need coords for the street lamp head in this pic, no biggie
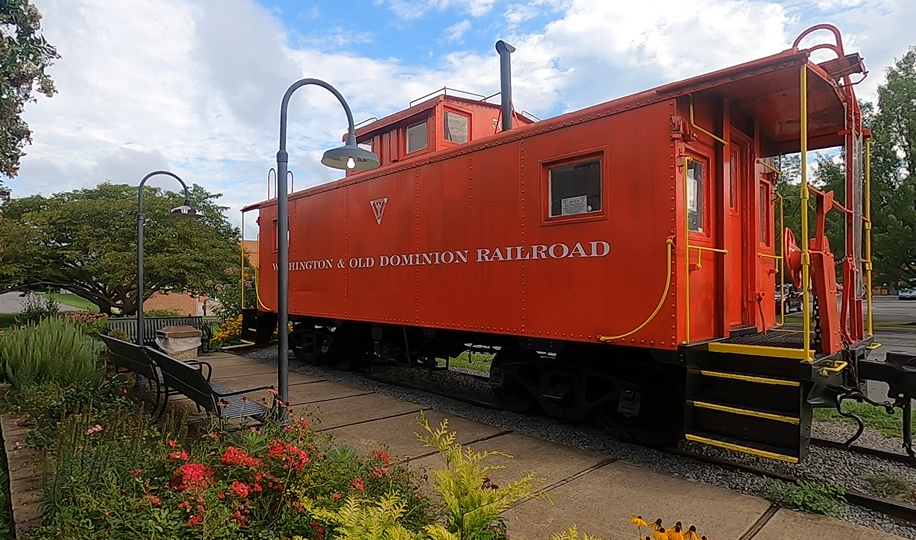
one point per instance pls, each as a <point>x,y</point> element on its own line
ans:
<point>350,157</point>
<point>186,211</point>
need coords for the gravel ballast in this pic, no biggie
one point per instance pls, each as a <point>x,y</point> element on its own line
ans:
<point>827,465</point>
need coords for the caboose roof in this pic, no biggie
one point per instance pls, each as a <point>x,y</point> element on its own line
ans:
<point>768,89</point>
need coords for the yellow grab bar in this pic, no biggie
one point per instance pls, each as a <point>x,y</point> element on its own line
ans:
<point>670,247</point>
<point>836,368</point>
<point>698,128</point>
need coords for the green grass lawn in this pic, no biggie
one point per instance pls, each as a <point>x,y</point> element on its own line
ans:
<point>875,417</point>
<point>478,361</point>
<point>73,300</point>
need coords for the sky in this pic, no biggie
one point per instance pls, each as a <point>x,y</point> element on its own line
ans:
<point>194,86</point>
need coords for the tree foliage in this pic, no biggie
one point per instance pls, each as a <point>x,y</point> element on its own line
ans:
<point>24,56</point>
<point>893,192</point>
<point>86,241</point>
<point>894,174</point>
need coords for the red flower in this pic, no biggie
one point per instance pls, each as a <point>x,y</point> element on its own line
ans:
<point>379,472</point>
<point>358,483</point>
<point>172,444</point>
<point>242,490</point>
<point>240,518</point>
<point>154,499</point>
<point>236,456</point>
<point>182,455</point>
<point>136,472</point>
<point>384,456</point>
<point>335,495</point>
<point>195,519</point>
<point>191,475</point>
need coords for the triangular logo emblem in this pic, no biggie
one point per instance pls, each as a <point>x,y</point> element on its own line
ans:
<point>378,207</point>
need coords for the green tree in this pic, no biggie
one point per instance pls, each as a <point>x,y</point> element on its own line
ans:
<point>24,56</point>
<point>229,295</point>
<point>86,242</point>
<point>894,174</point>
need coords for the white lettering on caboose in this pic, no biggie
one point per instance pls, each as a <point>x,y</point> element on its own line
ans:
<point>533,252</point>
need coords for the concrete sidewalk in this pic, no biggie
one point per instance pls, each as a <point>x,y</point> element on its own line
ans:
<point>596,492</point>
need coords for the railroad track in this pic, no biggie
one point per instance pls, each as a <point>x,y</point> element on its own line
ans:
<point>899,510</point>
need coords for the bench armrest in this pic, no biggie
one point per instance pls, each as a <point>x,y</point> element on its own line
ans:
<point>242,391</point>
<point>201,363</point>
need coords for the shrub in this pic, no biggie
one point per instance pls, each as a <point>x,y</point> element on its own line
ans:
<point>36,308</point>
<point>229,333</point>
<point>93,324</point>
<point>118,478</point>
<point>473,504</point>
<point>50,351</point>
<point>161,313</point>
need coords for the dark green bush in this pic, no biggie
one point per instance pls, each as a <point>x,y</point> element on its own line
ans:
<point>51,350</point>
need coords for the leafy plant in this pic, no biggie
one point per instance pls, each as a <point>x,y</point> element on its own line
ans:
<point>161,313</point>
<point>473,504</point>
<point>894,488</point>
<point>808,496</point>
<point>36,308</point>
<point>50,351</point>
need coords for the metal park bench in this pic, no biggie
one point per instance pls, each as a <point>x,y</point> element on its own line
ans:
<point>190,382</point>
<point>128,357</point>
<point>128,325</point>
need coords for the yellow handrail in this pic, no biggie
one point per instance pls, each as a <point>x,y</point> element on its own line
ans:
<point>687,160</point>
<point>242,265</point>
<point>670,244</point>
<point>868,293</point>
<point>840,366</point>
<point>695,126</point>
<point>805,255</point>
<point>701,249</point>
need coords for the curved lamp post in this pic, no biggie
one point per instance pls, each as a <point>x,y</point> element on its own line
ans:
<point>183,211</point>
<point>348,157</point>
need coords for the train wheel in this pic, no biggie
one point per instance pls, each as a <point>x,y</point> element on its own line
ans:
<point>660,419</point>
<point>505,379</point>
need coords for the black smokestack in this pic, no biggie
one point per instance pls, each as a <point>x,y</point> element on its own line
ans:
<point>505,82</point>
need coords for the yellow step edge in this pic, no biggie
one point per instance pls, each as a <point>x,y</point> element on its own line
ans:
<point>742,449</point>
<point>759,350</point>
<point>748,378</point>
<point>745,412</point>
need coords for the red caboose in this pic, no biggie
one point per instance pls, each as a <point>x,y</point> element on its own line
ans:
<point>622,259</point>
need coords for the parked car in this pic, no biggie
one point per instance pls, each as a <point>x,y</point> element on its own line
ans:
<point>906,294</point>
<point>788,299</point>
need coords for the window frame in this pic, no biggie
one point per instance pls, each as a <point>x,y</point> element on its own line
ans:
<point>425,148</point>
<point>703,213</point>
<point>456,112</point>
<point>546,165</point>
<point>764,210</point>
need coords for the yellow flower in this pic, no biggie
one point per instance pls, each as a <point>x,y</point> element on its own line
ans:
<point>638,521</point>
<point>659,535</point>
<point>657,525</point>
<point>675,534</point>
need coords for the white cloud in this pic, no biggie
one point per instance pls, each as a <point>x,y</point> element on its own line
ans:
<point>195,87</point>
<point>414,9</point>
<point>455,31</point>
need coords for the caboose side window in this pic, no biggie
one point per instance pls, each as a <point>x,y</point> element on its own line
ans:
<point>416,137</point>
<point>456,127</point>
<point>575,189</point>
<point>696,188</point>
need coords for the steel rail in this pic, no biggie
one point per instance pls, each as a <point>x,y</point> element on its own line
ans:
<point>883,454</point>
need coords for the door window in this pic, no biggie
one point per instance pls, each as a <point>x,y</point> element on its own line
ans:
<point>696,195</point>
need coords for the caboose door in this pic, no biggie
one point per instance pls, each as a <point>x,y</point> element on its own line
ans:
<point>735,205</point>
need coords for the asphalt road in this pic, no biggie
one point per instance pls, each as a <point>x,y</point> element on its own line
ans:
<point>12,303</point>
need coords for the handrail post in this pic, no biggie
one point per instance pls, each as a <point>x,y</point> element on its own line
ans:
<point>686,252</point>
<point>868,293</point>
<point>805,255</point>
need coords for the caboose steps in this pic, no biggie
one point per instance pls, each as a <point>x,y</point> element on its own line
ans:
<point>748,403</point>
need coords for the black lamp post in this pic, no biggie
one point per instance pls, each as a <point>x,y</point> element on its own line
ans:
<point>183,211</point>
<point>348,157</point>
